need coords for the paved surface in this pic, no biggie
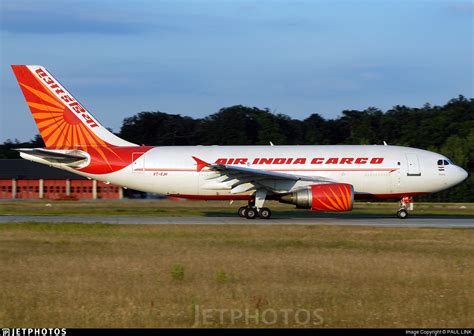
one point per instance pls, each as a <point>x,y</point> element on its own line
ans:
<point>438,222</point>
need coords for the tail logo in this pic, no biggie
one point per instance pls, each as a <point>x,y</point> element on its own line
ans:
<point>56,112</point>
<point>65,124</point>
<point>65,97</point>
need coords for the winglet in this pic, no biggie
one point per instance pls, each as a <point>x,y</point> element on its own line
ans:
<point>200,164</point>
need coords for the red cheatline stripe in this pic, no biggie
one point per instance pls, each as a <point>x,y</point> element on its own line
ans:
<point>276,170</point>
<point>169,169</point>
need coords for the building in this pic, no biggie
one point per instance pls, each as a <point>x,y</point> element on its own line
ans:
<point>22,179</point>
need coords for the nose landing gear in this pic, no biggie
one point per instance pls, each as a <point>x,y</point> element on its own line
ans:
<point>406,203</point>
<point>402,213</point>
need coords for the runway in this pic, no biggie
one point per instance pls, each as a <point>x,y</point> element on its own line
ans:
<point>436,222</point>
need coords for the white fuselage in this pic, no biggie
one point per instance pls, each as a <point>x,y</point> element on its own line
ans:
<point>380,171</point>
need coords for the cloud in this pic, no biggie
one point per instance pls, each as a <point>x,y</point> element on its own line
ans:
<point>54,17</point>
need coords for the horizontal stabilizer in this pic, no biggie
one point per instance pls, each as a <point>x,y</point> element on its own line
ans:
<point>69,157</point>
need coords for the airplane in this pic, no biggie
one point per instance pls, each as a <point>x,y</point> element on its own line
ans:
<point>320,178</point>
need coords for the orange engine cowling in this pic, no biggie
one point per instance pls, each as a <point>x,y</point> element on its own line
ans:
<point>331,197</point>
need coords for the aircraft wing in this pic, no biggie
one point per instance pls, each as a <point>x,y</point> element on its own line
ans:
<point>241,179</point>
<point>258,173</point>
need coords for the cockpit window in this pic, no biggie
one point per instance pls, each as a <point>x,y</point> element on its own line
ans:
<point>445,162</point>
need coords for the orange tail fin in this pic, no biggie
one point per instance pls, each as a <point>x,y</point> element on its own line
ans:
<point>62,121</point>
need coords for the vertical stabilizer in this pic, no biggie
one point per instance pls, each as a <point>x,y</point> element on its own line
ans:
<point>62,121</point>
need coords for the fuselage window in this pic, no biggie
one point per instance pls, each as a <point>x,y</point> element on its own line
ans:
<point>440,162</point>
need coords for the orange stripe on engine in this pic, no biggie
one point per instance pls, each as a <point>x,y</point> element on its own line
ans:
<point>348,197</point>
<point>343,196</point>
<point>330,199</point>
<point>327,206</point>
<point>338,199</point>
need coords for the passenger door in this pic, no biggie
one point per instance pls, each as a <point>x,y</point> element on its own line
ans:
<point>138,165</point>
<point>413,165</point>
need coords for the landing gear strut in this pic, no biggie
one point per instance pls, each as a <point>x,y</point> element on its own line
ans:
<point>406,203</point>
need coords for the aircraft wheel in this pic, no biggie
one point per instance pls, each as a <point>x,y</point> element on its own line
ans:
<point>402,213</point>
<point>250,213</point>
<point>265,213</point>
<point>242,211</point>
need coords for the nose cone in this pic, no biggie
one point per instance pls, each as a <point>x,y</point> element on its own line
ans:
<point>459,175</point>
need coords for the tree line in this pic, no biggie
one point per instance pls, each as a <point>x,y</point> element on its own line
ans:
<point>447,129</point>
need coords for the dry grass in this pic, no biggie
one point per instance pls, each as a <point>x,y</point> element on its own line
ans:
<point>82,275</point>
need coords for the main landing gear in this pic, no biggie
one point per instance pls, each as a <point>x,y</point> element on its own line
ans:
<point>251,212</point>
<point>406,203</point>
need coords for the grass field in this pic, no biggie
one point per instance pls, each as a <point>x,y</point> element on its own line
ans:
<point>83,275</point>
<point>211,208</point>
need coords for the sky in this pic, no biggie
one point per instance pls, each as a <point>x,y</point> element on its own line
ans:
<point>295,57</point>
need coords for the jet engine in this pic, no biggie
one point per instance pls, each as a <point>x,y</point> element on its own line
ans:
<point>331,197</point>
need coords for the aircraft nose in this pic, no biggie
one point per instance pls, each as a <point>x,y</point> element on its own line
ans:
<point>461,175</point>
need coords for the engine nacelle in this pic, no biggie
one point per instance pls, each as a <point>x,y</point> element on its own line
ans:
<point>332,197</point>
